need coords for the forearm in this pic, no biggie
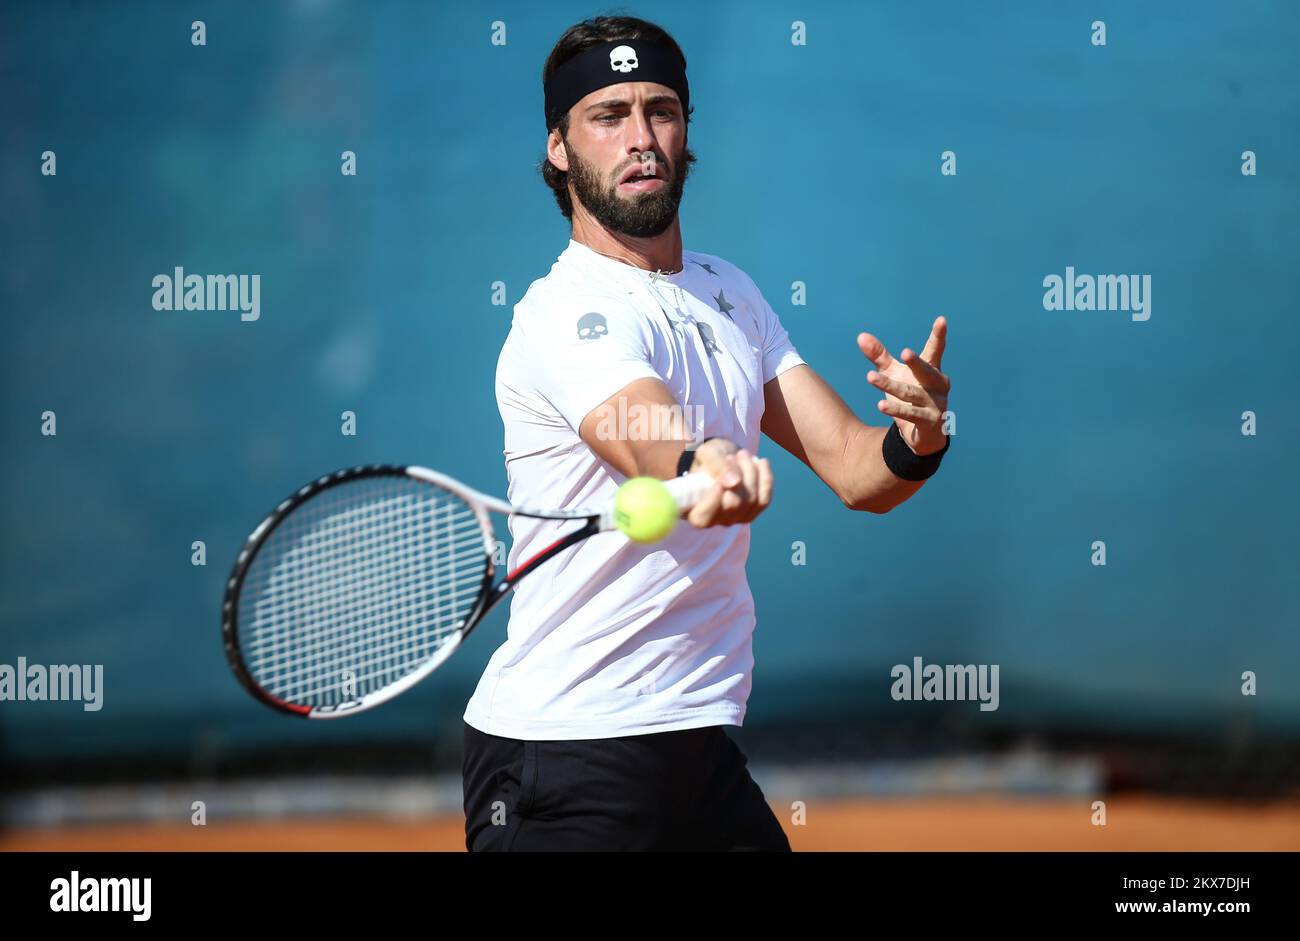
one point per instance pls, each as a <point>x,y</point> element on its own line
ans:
<point>640,431</point>
<point>868,484</point>
<point>808,418</point>
<point>659,458</point>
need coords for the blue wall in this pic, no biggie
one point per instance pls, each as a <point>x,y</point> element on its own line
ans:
<point>817,164</point>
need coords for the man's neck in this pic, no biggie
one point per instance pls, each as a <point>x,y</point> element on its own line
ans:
<point>662,252</point>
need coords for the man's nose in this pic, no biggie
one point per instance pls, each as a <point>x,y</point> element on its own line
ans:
<point>641,132</point>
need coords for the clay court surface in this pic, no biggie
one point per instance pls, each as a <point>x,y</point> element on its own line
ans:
<point>1133,823</point>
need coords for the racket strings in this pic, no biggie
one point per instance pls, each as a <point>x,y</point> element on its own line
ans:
<point>311,665</point>
<point>357,591</point>
<point>358,587</point>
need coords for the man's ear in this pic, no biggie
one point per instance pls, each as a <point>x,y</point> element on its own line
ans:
<point>556,152</point>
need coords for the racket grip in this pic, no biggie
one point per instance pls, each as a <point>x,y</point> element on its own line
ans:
<point>688,490</point>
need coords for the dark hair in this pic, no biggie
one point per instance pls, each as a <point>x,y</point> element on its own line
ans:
<point>581,36</point>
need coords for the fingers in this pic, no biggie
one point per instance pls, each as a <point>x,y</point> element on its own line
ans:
<point>926,367</point>
<point>736,499</point>
<point>706,508</point>
<point>758,486</point>
<point>899,389</point>
<point>926,374</point>
<point>718,458</point>
<point>934,347</point>
<point>749,509</point>
<point>919,402</point>
<point>765,483</point>
<point>917,415</point>
<point>740,502</point>
<point>875,351</point>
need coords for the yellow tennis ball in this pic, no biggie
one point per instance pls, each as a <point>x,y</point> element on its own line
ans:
<point>644,510</point>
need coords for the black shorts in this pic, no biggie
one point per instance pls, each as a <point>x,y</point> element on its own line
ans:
<point>682,790</point>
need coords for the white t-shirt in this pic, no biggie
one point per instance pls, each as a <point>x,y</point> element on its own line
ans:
<point>611,637</point>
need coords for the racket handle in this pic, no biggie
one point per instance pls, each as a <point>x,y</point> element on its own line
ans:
<point>688,490</point>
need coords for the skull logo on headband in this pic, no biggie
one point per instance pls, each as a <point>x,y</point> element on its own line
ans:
<point>622,59</point>
<point>612,63</point>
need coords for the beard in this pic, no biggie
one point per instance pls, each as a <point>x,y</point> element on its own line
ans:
<point>644,215</point>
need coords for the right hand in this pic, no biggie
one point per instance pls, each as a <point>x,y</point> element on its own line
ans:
<point>742,488</point>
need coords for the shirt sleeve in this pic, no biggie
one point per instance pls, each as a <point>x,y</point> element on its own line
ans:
<point>583,350</point>
<point>779,354</point>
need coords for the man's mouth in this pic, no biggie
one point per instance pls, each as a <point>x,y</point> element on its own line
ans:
<point>641,184</point>
<point>641,179</point>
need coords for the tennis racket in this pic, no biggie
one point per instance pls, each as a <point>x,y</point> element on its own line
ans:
<point>364,582</point>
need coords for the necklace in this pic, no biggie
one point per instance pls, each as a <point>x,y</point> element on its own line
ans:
<point>657,273</point>
<point>676,300</point>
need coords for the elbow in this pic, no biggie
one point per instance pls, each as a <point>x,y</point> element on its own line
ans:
<point>864,504</point>
<point>871,508</point>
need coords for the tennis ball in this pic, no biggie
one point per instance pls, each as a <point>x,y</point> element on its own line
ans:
<point>644,509</point>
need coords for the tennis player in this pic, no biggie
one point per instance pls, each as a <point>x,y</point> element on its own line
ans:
<point>600,723</point>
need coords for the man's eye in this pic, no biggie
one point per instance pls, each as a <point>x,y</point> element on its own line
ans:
<point>608,117</point>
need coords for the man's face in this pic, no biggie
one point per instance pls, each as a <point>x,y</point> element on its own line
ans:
<point>634,128</point>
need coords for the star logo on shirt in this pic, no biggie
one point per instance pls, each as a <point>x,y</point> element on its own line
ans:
<point>724,308</point>
<point>706,268</point>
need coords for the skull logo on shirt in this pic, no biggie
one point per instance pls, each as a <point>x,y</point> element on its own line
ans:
<point>592,326</point>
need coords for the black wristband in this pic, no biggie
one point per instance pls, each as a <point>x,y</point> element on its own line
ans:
<point>688,457</point>
<point>905,463</point>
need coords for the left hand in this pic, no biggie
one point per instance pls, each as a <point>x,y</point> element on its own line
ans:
<point>916,392</point>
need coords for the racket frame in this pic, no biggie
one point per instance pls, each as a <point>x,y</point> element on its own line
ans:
<point>686,490</point>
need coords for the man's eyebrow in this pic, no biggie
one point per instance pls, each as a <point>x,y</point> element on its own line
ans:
<point>623,102</point>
